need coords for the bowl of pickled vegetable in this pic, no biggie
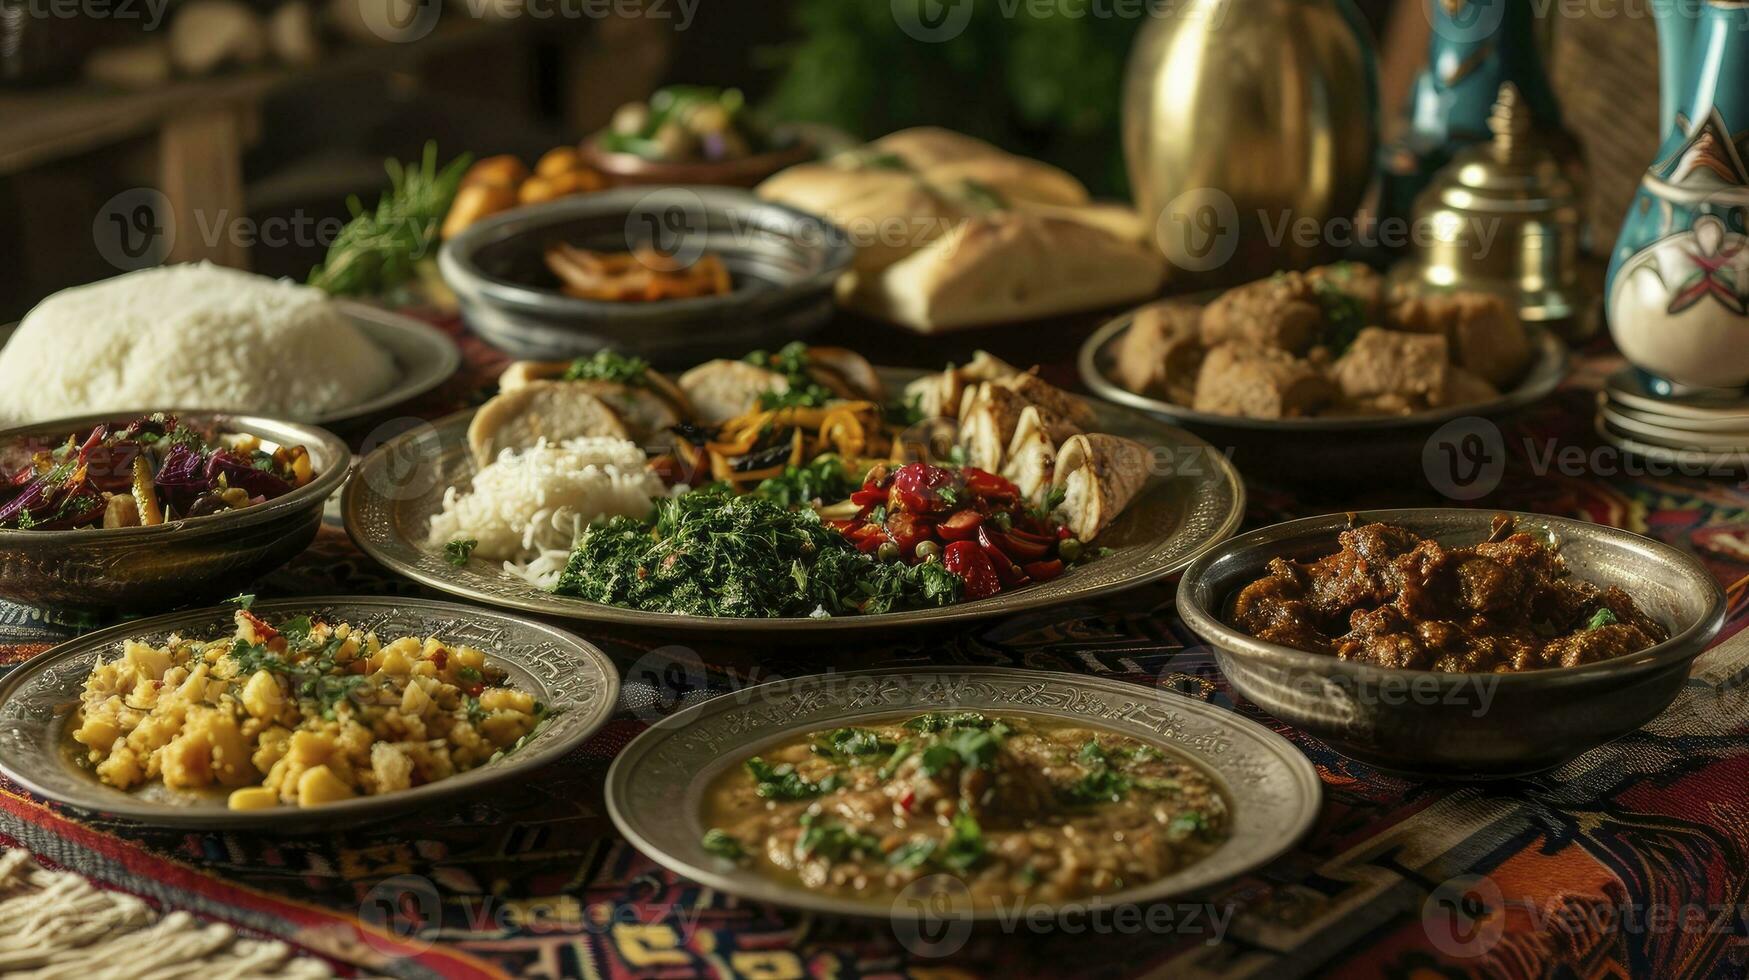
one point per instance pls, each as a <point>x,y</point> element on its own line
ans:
<point>149,510</point>
<point>692,134</point>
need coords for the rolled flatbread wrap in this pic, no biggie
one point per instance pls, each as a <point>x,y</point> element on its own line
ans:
<point>1099,475</point>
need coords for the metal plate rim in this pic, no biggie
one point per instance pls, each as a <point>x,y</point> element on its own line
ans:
<point>1298,776</point>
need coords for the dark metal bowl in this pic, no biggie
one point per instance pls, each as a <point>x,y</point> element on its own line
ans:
<point>159,567</point>
<point>1440,725</point>
<point>783,264</point>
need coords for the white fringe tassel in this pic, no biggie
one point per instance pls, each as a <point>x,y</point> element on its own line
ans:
<point>55,925</point>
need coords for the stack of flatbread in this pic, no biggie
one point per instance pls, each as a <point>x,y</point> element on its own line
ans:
<point>953,232</point>
<point>1014,423</point>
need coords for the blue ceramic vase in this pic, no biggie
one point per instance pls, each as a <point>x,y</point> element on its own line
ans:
<point>1677,296</point>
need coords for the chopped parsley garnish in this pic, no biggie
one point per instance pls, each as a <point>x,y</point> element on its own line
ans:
<point>1097,786</point>
<point>832,841</point>
<point>905,751</point>
<point>803,391</point>
<point>1190,823</point>
<point>1052,500</point>
<point>723,845</point>
<point>782,782</point>
<point>850,744</point>
<point>1344,315</point>
<point>826,479</point>
<point>974,748</point>
<point>458,552</point>
<point>609,366</point>
<point>1601,618</point>
<point>913,854</point>
<point>964,848</point>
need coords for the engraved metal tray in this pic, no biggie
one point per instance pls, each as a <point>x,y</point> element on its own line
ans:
<point>1193,500</point>
<point>37,701</point>
<point>656,787</point>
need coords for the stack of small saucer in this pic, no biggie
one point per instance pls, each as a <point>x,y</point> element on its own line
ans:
<point>1694,431</point>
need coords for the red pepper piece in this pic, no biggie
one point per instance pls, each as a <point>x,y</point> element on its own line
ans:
<point>968,561</point>
<point>962,526</point>
<point>1015,549</point>
<point>987,484</point>
<point>1044,571</point>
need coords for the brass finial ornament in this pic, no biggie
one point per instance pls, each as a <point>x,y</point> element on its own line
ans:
<point>1503,217</point>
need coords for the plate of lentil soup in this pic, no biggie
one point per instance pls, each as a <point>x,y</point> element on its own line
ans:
<point>297,714</point>
<point>860,793</point>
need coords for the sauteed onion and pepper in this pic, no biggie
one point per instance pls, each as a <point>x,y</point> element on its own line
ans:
<point>150,471</point>
<point>1020,809</point>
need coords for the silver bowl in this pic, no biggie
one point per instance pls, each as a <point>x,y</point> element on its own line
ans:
<point>783,263</point>
<point>1439,725</point>
<point>152,568</point>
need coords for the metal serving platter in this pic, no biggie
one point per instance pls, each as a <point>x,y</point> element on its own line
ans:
<point>37,702</point>
<point>1098,355</point>
<point>1196,502</point>
<point>656,787</point>
<point>424,358</point>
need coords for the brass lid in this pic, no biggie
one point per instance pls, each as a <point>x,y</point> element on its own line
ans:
<point>1503,217</point>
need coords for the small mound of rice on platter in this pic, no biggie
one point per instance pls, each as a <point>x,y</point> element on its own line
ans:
<point>193,336</point>
<point>527,506</point>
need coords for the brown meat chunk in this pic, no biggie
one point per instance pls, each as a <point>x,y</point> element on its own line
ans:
<point>1382,363</point>
<point>1259,382</point>
<point>1281,312</point>
<point>1485,334</point>
<point>1161,351</point>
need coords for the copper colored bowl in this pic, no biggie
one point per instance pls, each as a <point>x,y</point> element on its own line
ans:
<point>629,168</point>
<point>137,569</point>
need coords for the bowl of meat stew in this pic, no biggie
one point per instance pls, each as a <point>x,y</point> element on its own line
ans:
<point>1453,643</point>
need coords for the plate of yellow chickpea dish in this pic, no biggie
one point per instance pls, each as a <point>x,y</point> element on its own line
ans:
<point>298,713</point>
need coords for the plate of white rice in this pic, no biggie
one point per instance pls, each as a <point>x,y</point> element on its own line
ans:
<point>200,336</point>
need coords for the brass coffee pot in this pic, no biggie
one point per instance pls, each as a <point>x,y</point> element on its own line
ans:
<point>1503,217</point>
<point>1249,129</point>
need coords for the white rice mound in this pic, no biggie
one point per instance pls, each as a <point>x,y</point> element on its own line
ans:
<point>527,507</point>
<point>188,336</point>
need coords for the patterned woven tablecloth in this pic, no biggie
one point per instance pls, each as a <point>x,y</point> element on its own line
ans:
<point>1632,860</point>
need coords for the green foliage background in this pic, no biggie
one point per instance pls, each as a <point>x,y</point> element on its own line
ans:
<point>1043,79</point>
